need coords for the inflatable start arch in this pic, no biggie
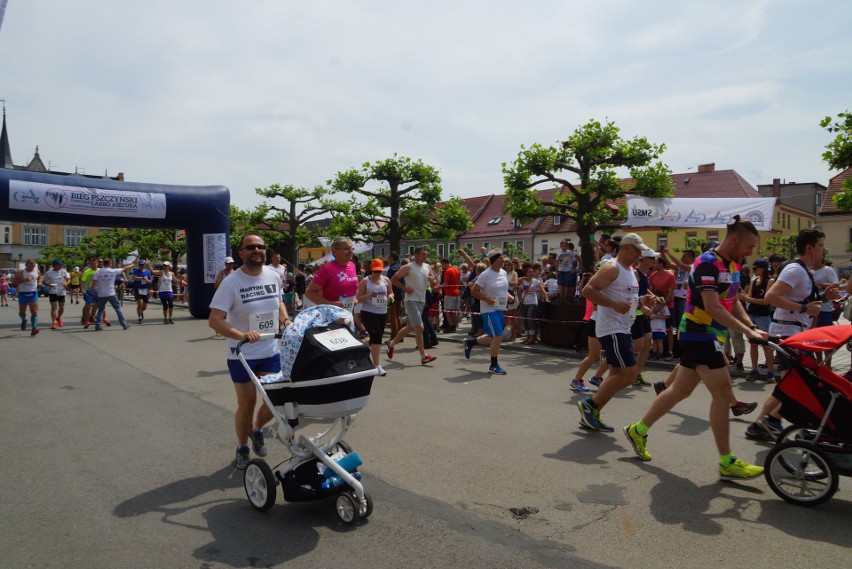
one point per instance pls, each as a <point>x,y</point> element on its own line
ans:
<point>202,211</point>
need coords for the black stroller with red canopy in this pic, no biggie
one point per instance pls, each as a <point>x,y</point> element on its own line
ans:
<point>810,455</point>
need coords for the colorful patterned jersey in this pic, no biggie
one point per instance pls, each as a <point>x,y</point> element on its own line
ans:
<point>711,272</point>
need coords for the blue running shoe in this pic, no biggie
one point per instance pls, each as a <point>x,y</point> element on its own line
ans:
<point>497,370</point>
<point>257,443</point>
<point>596,381</point>
<point>591,417</point>
<point>468,347</point>
<point>578,385</point>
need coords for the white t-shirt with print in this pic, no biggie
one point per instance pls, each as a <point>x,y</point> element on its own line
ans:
<point>250,303</point>
<point>799,281</point>
<point>494,284</point>
<point>55,281</point>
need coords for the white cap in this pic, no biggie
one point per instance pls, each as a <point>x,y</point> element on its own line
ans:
<point>649,253</point>
<point>229,260</point>
<point>167,264</point>
<point>76,268</point>
<point>635,240</point>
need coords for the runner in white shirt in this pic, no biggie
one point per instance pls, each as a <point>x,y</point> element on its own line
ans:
<point>492,290</point>
<point>247,304</point>
<point>615,291</point>
<point>26,281</point>
<point>56,279</point>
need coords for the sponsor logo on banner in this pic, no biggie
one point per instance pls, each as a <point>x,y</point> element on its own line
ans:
<point>73,200</point>
<point>697,212</point>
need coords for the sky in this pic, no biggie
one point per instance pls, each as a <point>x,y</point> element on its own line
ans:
<point>248,94</point>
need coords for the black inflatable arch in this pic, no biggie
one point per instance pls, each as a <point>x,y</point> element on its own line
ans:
<point>202,211</point>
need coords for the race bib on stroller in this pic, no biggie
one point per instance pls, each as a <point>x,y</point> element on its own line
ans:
<point>337,339</point>
<point>380,301</point>
<point>264,322</point>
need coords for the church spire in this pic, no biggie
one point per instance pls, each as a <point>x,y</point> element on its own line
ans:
<point>5,149</point>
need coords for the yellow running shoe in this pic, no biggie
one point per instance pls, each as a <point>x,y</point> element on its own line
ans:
<point>739,470</point>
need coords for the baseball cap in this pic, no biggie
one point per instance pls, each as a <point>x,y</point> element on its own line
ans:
<point>76,268</point>
<point>649,253</point>
<point>494,255</point>
<point>761,263</point>
<point>635,240</point>
<point>229,260</point>
<point>377,265</point>
<point>141,261</point>
<point>167,264</point>
<point>58,262</point>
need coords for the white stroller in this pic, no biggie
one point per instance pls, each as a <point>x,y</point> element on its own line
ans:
<point>326,377</point>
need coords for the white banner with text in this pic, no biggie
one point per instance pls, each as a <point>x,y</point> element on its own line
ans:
<point>74,200</point>
<point>698,212</point>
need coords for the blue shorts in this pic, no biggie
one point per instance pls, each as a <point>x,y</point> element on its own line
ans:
<point>825,319</point>
<point>239,374</point>
<point>27,297</point>
<point>492,323</point>
<point>566,278</point>
<point>618,349</point>
<point>658,335</point>
<point>88,297</point>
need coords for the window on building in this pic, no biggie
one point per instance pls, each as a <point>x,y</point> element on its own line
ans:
<point>411,250</point>
<point>495,220</point>
<point>545,247</point>
<point>818,197</point>
<point>519,245</point>
<point>440,250</point>
<point>35,235</point>
<point>7,235</point>
<point>662,240</point>
<point>487,245</point>
<point>381,252</point>
<point>505,245</point>
<point>74,235</point>
<point>468,246</point>
<point>712,236</point>
<point>557,220</point>
<point>517,223</point>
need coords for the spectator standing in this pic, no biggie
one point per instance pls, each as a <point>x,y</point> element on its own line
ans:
<point>662,283</point>
<point>758,310</point>
<point>452,289</point>
<point>531,287</point>
<point>395,307</point>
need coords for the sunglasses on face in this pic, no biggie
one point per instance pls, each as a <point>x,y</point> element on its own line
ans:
<point>254,247</point>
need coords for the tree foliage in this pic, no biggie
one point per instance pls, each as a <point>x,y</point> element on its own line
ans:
<point>394,200</point>
<point>584,167</point>
<point>288,221</point>
<point>838,154</point>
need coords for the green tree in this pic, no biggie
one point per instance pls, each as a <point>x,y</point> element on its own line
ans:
<point>396,199</point>
<point>784,245</point>
<point>300,206</point>
<point>591,154</point>
<point>71,256</point>
<point>838,154</point>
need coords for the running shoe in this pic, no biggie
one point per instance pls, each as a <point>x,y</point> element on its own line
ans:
<point>60,322</point>
<point>363,334</point>
<point>752,375</point>
<point>258,445</point>
<point>381,371</point>
<point>107,322</point>
<point>770,377</point>
<point>23,324</point>
<point>739,366</point>
<point>125,326</point>
<point>497,370</point>
<point>171,321</point>
<point>739,470</point>
<point>53,326</point>
<point>427,359</point>
<point>640,381</point>
<point>140,320</point>
<point>578,385</point>
<point>596,381</point>
<point>638,441</point>
<point>390,349</point>
<point>35,331</point>
<point>468,347</point>
<point>591,417</point>
<point>242,460</point>
<point>659,386</point>
<point>742,408</point>
<point>763,429</point>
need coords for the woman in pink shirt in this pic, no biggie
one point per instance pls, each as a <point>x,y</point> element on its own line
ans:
<point>336,282</point>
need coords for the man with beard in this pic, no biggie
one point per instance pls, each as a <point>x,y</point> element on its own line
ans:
<point>247,304</point>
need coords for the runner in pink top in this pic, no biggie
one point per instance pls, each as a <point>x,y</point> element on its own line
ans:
<point>336,278</point>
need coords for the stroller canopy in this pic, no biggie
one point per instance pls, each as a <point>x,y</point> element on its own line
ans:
<point>819,339</point>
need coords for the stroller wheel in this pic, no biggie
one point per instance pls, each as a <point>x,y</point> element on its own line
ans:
<point>368,509</point>
<point>347,508</point>
<point>260,484</point>
<point>794,433</point>
<point>799,473</point>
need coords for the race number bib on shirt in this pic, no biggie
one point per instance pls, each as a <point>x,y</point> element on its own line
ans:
<point>142,291</point>
<point>264,322</point>
<point>380,301</point>
<point>501,303</point>
<point>348,303</point>
<point>720,347</point>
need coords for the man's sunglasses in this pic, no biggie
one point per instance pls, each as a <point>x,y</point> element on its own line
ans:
<point>254,247</point>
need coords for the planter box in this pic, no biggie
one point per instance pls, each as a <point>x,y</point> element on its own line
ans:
<point>562,324</point>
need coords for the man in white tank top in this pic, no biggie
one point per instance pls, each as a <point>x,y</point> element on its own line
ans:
<point>615,291</point>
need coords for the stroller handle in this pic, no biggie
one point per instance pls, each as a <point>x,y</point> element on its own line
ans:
<point>263,337</point>
<point>765,341</point>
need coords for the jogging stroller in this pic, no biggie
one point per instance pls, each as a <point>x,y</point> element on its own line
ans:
<point>810,455</point>
<point>326,377</point>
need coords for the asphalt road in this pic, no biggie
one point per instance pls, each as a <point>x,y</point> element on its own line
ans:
<point>118,449</point>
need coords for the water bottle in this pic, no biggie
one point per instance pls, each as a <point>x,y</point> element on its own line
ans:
<point>334,481</point>
<point>348,463</point>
